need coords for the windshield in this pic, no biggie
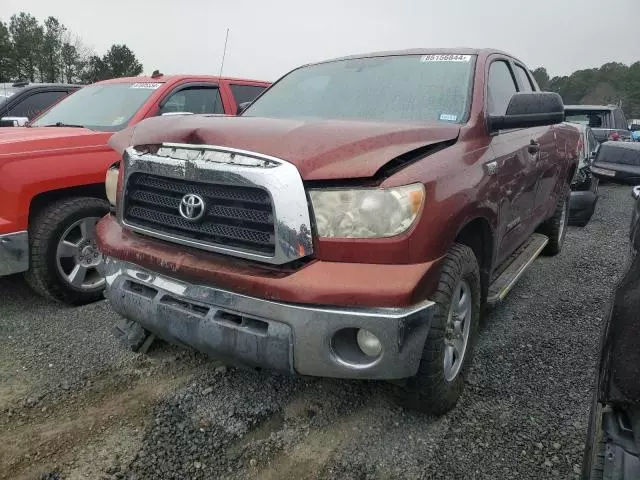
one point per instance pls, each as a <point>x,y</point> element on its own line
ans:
<point>105,107</point>
<point>408,88</point>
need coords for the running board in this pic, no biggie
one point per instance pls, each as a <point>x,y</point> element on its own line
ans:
<point>514,267</point>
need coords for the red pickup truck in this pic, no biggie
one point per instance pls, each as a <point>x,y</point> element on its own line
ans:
<point>52,173</point>
<point>352,222</point>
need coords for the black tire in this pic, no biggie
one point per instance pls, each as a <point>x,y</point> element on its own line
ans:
<point>593,460</point>
<point>556,227</point>
<point>429,391</point>
<point>45,231</point>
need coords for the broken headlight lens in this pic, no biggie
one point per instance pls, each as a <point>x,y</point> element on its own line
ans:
<point>366,212</point>
<point>111,184</point>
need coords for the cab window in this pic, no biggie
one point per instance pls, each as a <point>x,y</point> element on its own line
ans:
<point>196,100</point>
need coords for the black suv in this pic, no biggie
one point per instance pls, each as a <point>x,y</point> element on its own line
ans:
<point>605,120</point>
<point>22,100</point>
<point>612,450</point>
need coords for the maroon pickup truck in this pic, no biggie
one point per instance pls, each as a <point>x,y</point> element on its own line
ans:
<point>352,222</point>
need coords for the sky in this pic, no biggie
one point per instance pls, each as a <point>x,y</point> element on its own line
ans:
<point>267,38</point>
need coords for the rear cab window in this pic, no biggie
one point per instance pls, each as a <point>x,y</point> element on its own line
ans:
<point>524,80</point>
<point>590,118</point>
<point>196,99</point>
<point>245,93</point>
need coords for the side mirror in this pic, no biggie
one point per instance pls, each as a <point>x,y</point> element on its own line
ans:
<point>529,109</point>
<point>242,107</point>
<point>636,192</point>
<point>167,114</point>
<point>13,121</point>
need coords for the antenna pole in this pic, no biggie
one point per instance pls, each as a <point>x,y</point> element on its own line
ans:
<point>224,52</point>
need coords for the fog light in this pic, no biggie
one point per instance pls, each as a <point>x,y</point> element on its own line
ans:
<point>368,343</point>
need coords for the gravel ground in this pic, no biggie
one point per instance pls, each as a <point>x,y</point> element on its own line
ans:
<point>74,404</point>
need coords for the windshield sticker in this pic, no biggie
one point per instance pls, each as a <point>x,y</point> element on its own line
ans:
<point>445,58</point>
<point>447,117</point>
<point>150,86</point>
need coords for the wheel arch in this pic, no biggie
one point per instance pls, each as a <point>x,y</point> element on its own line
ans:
<point>478,235</point>
<point>41,200</point>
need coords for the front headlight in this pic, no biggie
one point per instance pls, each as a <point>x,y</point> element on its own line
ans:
<point>366,212</point>
<point>111,184</point>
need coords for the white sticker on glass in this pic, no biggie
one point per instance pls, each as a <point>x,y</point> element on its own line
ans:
<point>445,58</point>
<point>447,117</point>
<point>151,86</point>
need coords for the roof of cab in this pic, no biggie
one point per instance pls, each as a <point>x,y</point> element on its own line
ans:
<point>174,78</point>
<point>426,51</point>
<point>590,107</point>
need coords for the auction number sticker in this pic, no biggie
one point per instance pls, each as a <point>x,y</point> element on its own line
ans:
<point>445,58</point>
<point>150,86</point>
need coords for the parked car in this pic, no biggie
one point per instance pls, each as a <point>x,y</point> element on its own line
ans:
<point>618,162</point>
<point>634,126</point>
<point>612,448</point>
<point>584,186</point>
<point>607,121</point>
<point>23,101</point>
<point>52,173</point>
<point>352,222</point>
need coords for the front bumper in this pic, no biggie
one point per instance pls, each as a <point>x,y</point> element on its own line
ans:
<point>283,336</point>
<point>14,253</point>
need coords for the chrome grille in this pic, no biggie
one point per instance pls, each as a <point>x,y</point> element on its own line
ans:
<point>235,216</point>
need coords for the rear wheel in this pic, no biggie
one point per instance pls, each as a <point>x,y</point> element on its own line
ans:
<point>448,350</point>
<point>63,255</point>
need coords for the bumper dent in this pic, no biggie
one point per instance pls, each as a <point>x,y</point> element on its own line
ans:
<point>14,253</point>
<point>288,337</point>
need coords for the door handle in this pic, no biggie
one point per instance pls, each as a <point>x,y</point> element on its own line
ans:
<point>534,147</point>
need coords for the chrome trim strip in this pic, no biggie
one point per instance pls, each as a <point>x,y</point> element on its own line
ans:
<point>501,295</point>
<point>14,253</point>
<point>281,179</point>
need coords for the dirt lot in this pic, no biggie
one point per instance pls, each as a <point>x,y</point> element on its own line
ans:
<point>74,404</point>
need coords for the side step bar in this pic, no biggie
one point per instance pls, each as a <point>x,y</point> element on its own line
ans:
<point>514,267</point>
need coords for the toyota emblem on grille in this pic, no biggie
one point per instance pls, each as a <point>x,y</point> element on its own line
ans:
<point>192,207</point>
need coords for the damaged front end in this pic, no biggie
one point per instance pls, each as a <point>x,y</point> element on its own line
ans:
<point>216,199</point>
<point>584,185</point>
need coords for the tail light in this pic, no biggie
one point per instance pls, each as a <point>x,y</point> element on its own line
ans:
<point>614,136</point>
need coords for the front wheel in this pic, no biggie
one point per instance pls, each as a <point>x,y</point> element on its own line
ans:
<point>448,349</point>
<point>63,255</point>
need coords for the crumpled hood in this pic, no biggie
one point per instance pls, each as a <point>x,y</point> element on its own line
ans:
<point>30,141</point>
<point>320,149</point>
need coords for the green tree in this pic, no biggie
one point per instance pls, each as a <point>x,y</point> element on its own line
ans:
<point>71,63</point>
<point>27,36</point>
<point>7,61</point>
<point>122,62</point>
<point>119,61</point>
<point>542,77</point>
<point>95,70</point>
<point>51,50</point>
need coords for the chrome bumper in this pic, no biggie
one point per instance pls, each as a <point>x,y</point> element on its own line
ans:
<point>14,253</point>
<point>288,337</point>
